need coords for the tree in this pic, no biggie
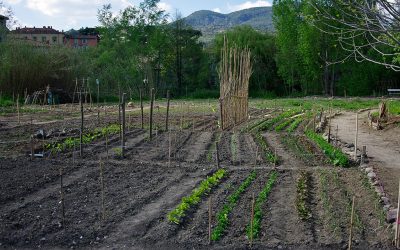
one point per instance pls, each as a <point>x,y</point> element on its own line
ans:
<point>362,26</point>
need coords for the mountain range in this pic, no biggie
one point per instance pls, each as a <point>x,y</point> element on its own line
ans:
<point>211,23</point>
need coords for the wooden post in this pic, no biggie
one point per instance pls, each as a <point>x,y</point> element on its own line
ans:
<point>397,242</point>
<point>19,118</point>
<point>81,132</point>
<point>151,113</point>
<point>32,150</point>
<point>356,139</point>
<point>123,126</point>
<point>209,219</point>
<point>363,154</point>
<point>314,123</point>
<point>103,209</point>
<point>351,224</point>
<point>98,101</point>
<point>141,106</point>
<point>252,219</point>
<point>217,147</point>
<point>62,197</point>
<point>167,119</point>
<point>169,148</point>
<point>337,132</point>
<point>107,143</point>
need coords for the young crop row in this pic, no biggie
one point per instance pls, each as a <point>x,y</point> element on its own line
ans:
<point>303,196</point>
<point>271,157</point>
<point>223,215</point>
<point>176,216</point>
<point>337,157</point>
<point>294,124</point>
<point>253,229</point>
<point>283,125</point>
<point>70,142</point>
<point>268,124</point>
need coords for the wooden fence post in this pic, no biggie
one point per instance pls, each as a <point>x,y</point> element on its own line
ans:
<point>167,118</point>
<point>351,224</point>
<point>356,139</point>
<point>151,112</point>
<point>81,132</point>
<point>123,126</point>
<point>217,147</point>
<point>141,107</point>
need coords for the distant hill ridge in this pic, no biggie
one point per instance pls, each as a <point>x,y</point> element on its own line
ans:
<point>211,23</point>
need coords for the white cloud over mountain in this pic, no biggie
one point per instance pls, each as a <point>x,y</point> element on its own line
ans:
<point>248,4</point>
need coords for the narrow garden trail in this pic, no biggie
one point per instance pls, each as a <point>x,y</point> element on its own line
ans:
<point>383,147</point>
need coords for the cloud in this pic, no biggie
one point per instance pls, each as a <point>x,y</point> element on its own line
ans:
<point>164,6</point>
<point>12,1</point>
<point>217,10</point>
<point>248,4</point>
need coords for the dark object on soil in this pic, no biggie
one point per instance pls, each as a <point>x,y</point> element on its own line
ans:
<point>59,96</point>
<point>39,134</point>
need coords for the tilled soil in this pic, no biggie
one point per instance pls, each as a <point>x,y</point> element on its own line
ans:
<point>144,186</point>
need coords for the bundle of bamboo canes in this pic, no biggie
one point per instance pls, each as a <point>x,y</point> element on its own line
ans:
<point>234,75</point>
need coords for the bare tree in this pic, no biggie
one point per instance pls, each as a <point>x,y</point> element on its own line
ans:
<point>6,11</point>
<point>368,30</point>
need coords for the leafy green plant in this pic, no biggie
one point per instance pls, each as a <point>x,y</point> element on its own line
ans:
<point>253,229</point>
<point>70,142</point>
<point>283,125</point>
<point>337,157</point>
<point>223,214</point>
<point>303,196</point>
<point>292,127</point>
<point>176,216</point>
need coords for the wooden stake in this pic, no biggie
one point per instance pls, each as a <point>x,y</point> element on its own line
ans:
<point>209,220</point>
<point>252,220</point>
<point>169,148</point>
<point>62,197</point>
<point>167,119</point>
<point>151,113</point>
<point>123,126</point>
<point>19,119</point>
<point>141,107</point>
<point>81,132</point>
<point>356,139</point>
<point>217,147</point>
<point>337,132</point>
<point>107,143</point>
<point>32,150</point>
<point>103,208</point>
<point>397,242</point>
<point>351,224</point>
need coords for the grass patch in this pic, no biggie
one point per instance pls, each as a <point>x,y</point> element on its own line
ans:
<point>223,214</point>
<point>337,157</point>
<point>176,216</point>
<point>253,229</point>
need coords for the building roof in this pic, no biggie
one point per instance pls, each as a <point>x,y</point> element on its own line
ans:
<point>34,30</point>
<point>3,17</point>
<point>82,36</point>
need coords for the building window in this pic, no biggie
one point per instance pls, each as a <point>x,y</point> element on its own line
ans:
<point>75,41</point>
<point>54,39</point>
<point>34,38</point>
<point>84,41</point>
<point>43,39</point>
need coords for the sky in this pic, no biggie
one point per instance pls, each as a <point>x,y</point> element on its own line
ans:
<point>68,14</point>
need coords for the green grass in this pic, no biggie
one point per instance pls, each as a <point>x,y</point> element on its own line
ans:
<point>253,229</point>
<point>337,157</point>
<point>176,216</point>
<point>223,214</point>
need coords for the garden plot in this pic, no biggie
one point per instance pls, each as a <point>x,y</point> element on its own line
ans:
<point>301,200</point>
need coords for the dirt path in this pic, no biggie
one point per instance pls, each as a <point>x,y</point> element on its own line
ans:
<point>383,147</point>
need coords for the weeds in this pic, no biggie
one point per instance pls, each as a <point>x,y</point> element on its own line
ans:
<point>253,232</point>
<point>176,216</point>
<point>223,215</point>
